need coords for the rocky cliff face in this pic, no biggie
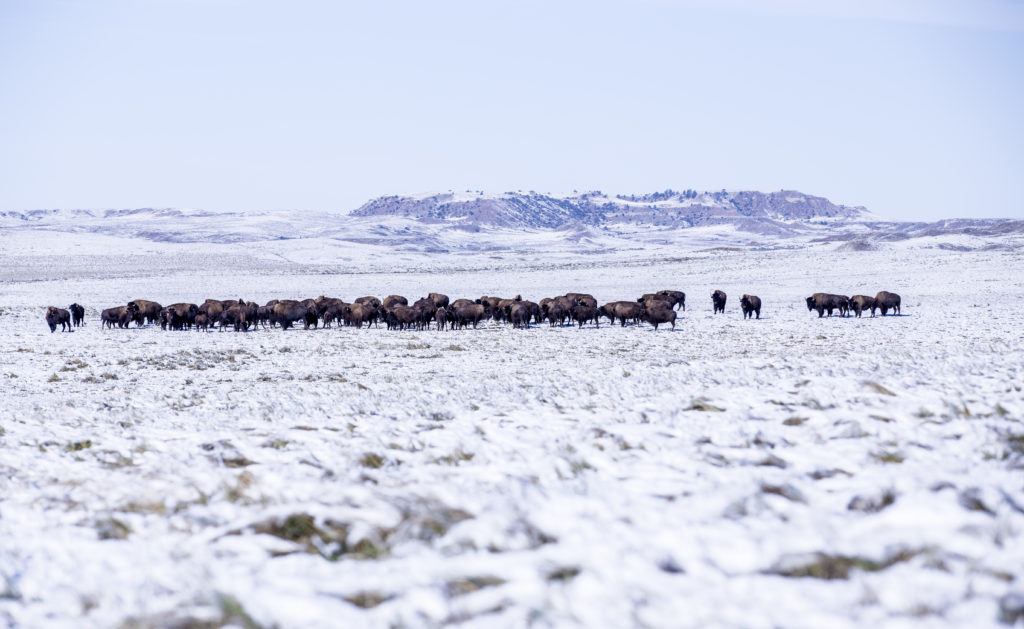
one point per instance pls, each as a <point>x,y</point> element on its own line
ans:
<point>669,208</point>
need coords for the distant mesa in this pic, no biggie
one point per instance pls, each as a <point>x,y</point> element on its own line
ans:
<point>671,208</point>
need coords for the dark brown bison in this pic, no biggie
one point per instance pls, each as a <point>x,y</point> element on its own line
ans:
<point>58,316</point>
<point>286,312</point>
<point>394,300</point>
<point>330,310</point>
<point>357,314</point>
<point>400,317</point>
<point>114,316</point>
<point>241,316</point>
<point>490,304</point>
<point>676,297</point>
<point>860,303</point>
<point>145,311</point>
<point>585,298</point>
<point>659,312</point>
<point>471,313</point>
<point>823,302</point>
<point>441,317</point>
<point>886,301</point>
<point>627,310</point>
<point>77,314</point>
<point>519,315</point>
<point>608,310</point>
<point>556,312</point>
<point>458,303</point>
<point>751,305</point>
<point>440,300</point>
<point>370,301</point>
<point>202,322</point>
<point>584,313</point>
<point>181,316</point>
<point>718,300</point>
<point>263,315</point>
<point>213,309</point>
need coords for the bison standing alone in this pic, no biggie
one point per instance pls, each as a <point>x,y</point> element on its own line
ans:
<point>718,299</point>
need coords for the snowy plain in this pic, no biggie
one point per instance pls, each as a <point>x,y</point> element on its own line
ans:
<point>783,472</point>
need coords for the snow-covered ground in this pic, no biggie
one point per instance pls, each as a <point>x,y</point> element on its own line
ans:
<point>786,472</point>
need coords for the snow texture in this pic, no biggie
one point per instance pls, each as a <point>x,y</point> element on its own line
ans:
<point>788,471</point>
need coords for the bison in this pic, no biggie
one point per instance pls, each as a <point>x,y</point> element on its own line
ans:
<point>675,297</point>
<point>519,315</point>
<point>58,316</point>
<point>77,314</point>
<point>394,300</point>
<point>181,316</point>
<point>718,300</point>
<point>440,300</point>
<point>583,313</point>
<point>750,304</point>
<point>286,312</point>
<point>886,301</point>
<point>471,313</point>
<point>823,302</point>
<point>627,310</point>
<point>659,312</point>
<point>860,303</point>
<point>145,311</point>
<point>110,317</point>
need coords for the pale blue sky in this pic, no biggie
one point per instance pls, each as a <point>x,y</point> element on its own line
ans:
<point>912,108</point>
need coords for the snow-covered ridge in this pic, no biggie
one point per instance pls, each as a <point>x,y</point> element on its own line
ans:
<point>475,221</point>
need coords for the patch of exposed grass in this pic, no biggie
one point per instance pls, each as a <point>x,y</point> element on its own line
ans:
<point>455,457</point>
<point>112,528</point>
<point>794,421</point>
<point>830,567</point>
<point>371,460</point>
<point>887,456</point>
<point>468,585</point>
<point>75,446</point>
<point>872,504</point>
<point>874,386</point>
<point>563,574</point>
<point>704,405</point>
<point>454,348</point>
<point>368,600</point>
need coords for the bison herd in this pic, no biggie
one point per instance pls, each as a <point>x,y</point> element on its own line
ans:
<point>825,302</point>
<point>396,313</point>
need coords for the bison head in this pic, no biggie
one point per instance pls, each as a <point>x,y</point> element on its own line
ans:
<point>810,303</point>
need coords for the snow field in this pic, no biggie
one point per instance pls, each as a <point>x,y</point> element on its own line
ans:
<point>784,472</point>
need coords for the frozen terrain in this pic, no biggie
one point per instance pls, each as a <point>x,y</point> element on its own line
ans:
<point>783,472</point>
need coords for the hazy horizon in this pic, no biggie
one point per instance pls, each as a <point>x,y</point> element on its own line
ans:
<point>909,108</point>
